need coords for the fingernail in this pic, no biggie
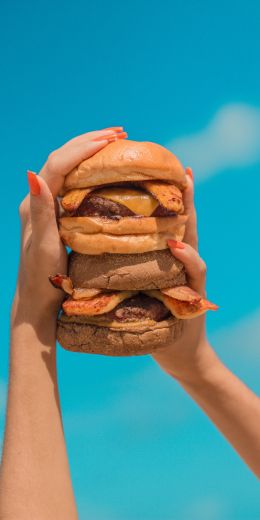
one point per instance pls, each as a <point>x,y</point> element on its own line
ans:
<point>176,244</point>
<point>115,128</point>
<point>111,138</point>
<point>189,172</point>
<point>34,185</point>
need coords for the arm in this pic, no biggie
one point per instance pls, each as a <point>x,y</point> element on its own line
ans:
<point>35,480</point>
<point>234,408</point>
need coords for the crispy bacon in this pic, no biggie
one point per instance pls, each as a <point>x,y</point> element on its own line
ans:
<point>187,310</point>
<point>183,293</point>
<point>100,304</point>
<point>168,195</point>
<point>187,305</point>
<point>72,200</point>
<point>61,281</point>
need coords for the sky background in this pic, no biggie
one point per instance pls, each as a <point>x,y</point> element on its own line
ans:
<point>186,75</point>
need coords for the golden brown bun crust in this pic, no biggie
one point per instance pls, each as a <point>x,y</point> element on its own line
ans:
<point>74,334</point>
<point>122,226</point>
<point>153,270</point>
<point>125,161</point>
<point>97,243</point>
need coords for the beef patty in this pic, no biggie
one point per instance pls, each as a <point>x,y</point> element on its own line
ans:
<point>95,206</point>
<point>138,308</point>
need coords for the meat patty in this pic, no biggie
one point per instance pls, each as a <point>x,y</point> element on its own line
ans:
<point>138,308</point>
<point>95,206</point>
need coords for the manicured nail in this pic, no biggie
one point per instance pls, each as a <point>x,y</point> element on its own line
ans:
<point>34,185</point>
<point>115,128</point>
<point>111,138</point>
<point>189,172</point>
<point>176,244</point>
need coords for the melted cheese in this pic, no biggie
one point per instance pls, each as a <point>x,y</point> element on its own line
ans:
<point>140,202</point>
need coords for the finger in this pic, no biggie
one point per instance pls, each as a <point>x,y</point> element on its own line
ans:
<point>191,234</point>
<point>42,211</point>
<point>195,267</point>
<point>68,156</point>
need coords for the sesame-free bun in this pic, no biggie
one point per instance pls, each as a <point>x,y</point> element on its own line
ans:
<point>146,271</point>
<point>100,243</point>
<point>122,226</point>
<point>127,161</point>
<point>74,333</point>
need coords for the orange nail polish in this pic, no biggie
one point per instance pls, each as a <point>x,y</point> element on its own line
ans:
<point>34,185</point>
<point>176,244</point>
<point>189,172</point>
<point>111,138</point>
<point>115,128</point>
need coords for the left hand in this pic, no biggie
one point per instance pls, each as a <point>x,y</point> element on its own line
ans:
<point>42,252</point>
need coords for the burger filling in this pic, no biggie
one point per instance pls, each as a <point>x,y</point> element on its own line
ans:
<point>144,199</point>
<point>106,307</point>
<point>139,308</point>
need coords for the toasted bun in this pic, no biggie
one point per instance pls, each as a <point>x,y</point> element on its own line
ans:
<point>122,226</point>
<point>124,161</point>
<point>75,334</point>
<point>99,243</point>
<point>146,271</point>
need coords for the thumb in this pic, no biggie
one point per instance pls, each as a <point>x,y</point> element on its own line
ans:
<point>42,208</point>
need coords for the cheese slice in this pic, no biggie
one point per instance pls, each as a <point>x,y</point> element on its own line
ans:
<point>140,202</point>
<point>100,304</point>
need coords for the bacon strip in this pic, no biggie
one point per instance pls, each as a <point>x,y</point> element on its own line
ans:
<point>72,200</point>
<point>186,310</point>
<point>100,304</point>
<point>168,195</point>
<point>61,281</point>
<point>187,305</point>
<point>183,293</point>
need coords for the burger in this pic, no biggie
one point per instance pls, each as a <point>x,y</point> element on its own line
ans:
<point>125,292</point>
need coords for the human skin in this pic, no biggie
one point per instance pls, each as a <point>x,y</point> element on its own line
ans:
<point>35,481</point>
<point>192,362</point>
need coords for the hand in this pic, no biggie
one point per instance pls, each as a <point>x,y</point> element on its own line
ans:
<point>42,252</point>
<point>187,356</point>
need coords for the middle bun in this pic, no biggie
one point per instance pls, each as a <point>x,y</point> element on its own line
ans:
<point>146,271</point>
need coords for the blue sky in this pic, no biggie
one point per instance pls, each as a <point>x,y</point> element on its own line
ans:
<point>186,75</point>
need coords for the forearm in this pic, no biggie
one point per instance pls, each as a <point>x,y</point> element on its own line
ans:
<point>230,404</point>
<point>35,478</point>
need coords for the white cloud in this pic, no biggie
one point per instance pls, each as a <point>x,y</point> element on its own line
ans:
<point>230,140</point>
<point>242,339</point>
<point>206,508</point>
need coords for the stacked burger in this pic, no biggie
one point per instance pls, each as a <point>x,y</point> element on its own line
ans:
<point>125,292</point>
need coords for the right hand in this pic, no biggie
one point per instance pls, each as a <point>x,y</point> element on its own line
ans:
<point>186,357</point>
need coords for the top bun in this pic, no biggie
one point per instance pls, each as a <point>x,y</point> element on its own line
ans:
<point>127,161</point>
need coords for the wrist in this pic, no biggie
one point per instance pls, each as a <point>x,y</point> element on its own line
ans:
<point>203,369</point>
<point>35,313</point>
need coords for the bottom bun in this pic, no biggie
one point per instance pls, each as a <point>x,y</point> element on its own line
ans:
<point>76,335</point>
